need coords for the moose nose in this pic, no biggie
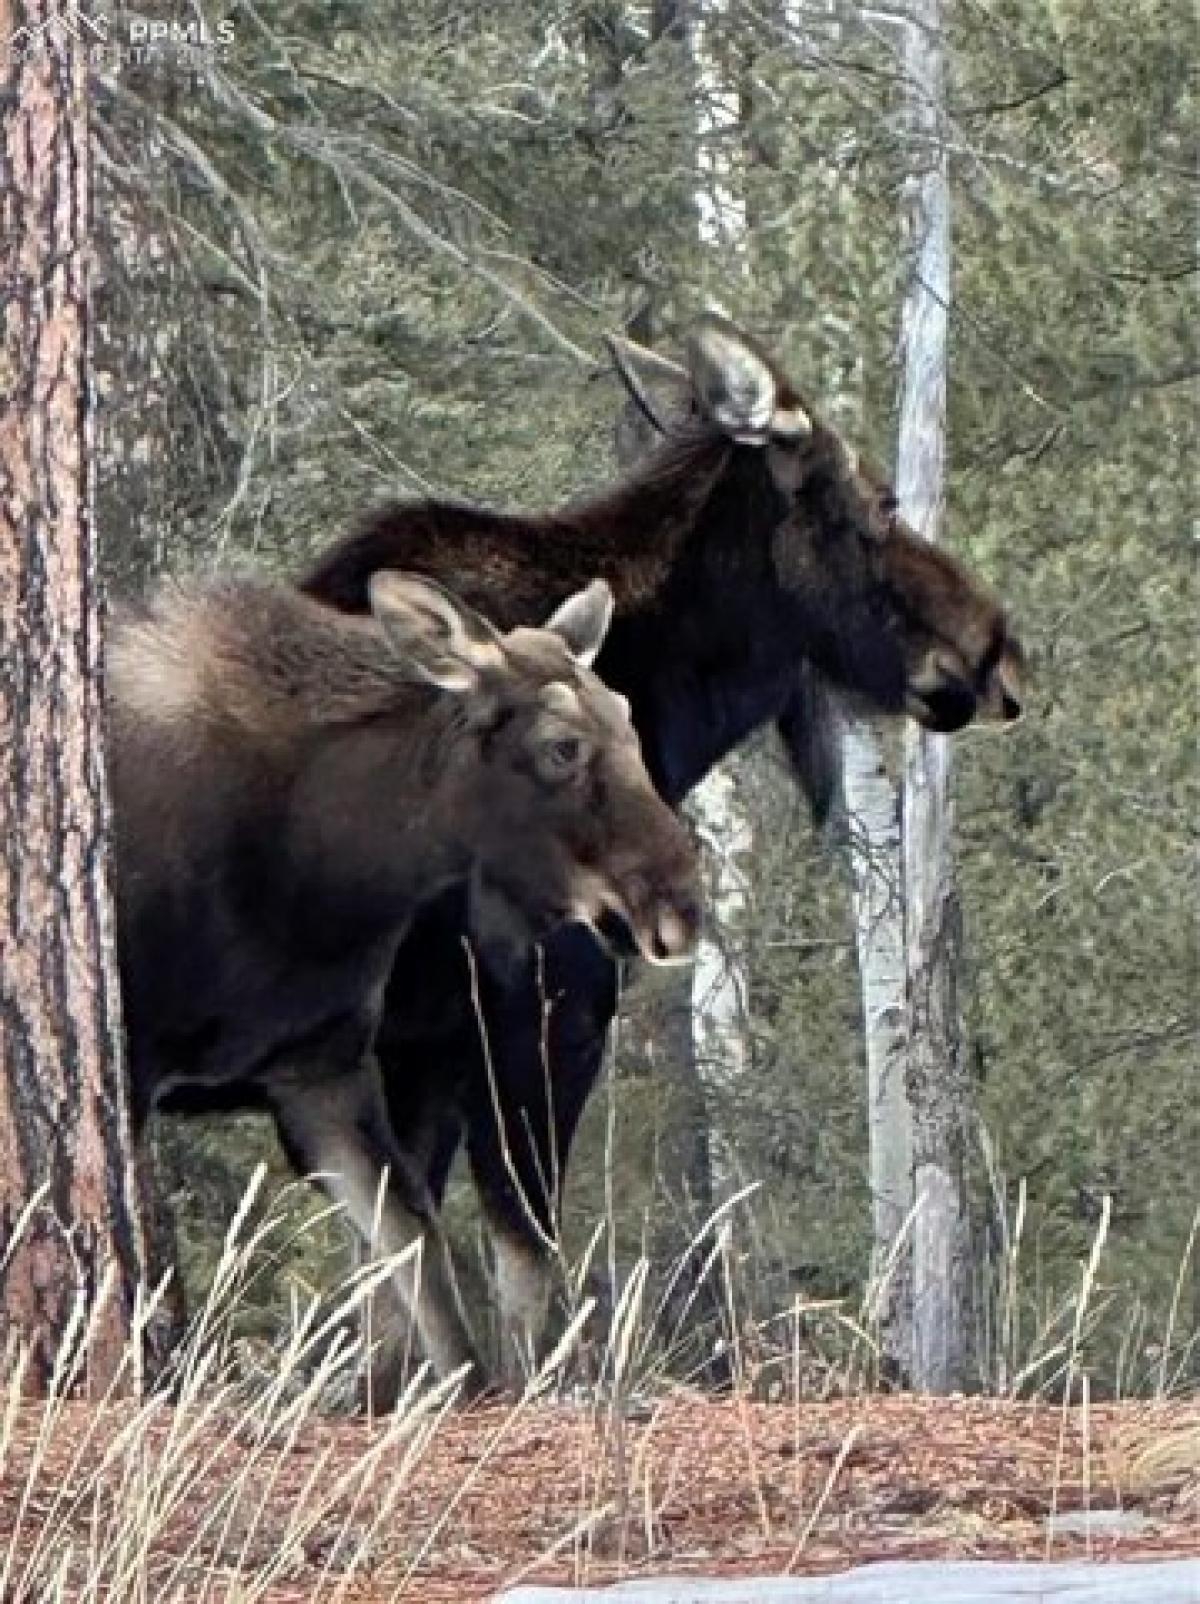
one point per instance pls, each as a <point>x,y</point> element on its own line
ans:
<point>1010,708</point>
<point>675,928</point>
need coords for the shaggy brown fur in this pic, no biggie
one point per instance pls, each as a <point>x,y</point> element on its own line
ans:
<point>257,657</point>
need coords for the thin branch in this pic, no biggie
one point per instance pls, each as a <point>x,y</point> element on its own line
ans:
<point>329,151</point>
<point>187,147</point>
<point>993,108</point>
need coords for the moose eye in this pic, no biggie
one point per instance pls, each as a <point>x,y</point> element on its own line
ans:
<point>564,753</point>
<point>887,511</point>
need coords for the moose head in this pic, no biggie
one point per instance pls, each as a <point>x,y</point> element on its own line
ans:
<point>544,780</point>
<point>882,613</point>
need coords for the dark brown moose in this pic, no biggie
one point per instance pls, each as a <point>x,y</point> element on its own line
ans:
<point>291,784</point>
<point>761,570</point>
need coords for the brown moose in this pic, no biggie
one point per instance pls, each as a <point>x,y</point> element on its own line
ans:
<point>290,785</point>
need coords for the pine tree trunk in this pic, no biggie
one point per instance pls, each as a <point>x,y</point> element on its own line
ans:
<point>63,1117</point>
<point>937,1084</point>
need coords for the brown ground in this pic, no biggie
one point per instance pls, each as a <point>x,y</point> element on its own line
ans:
<point>554,1492</point>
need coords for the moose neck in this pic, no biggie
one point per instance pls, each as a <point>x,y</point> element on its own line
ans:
<point>690,715</point>
<point>698,650</point>
<point>372,808</point>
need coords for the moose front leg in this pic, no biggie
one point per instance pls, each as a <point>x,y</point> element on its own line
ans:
<point>336,1128</point>
<point>525,1270</point>
<point>429,1137</point>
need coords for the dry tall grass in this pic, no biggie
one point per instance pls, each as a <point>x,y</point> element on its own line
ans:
<point>207,1451</point>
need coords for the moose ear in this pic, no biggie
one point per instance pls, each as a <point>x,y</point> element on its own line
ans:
<point>439,638</point>
<point>582,621</point>
<point>659,390</point>
<point>738,388</point>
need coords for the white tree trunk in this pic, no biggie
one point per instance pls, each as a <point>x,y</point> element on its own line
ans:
<point>720,1013</point>
<point>937,1085</point>
<point>871,797</point>
<point>872,801</point>
<point>720,985</point>
<point>906,911</point>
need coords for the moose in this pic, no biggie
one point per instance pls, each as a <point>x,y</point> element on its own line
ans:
<point>291,785</point>
<point>762,574</point>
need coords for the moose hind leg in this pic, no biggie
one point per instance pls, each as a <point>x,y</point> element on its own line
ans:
<point>337,1128</point>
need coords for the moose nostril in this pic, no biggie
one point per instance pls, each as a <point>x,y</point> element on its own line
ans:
<point>1010,707</point>
<point>691,911</point>
<point>676,928</point>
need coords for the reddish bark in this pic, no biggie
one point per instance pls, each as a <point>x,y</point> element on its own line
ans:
<point>63,1121</point>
